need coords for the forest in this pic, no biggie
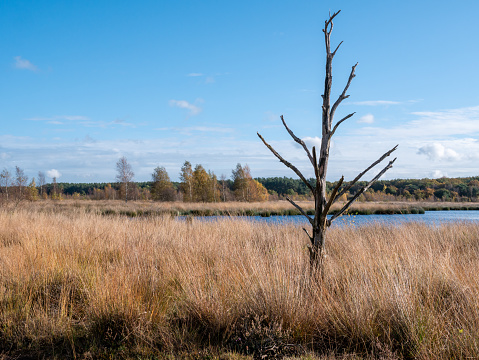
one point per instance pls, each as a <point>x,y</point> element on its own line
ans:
<point>442,189</point>
<point>200,185</point>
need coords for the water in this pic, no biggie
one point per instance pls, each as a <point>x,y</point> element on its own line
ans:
<point>430,217</point>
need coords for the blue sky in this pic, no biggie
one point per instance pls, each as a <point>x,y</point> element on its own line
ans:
<point>83,83</point>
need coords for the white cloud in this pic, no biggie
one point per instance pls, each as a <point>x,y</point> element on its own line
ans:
<point>209,79</point>
<point>24,64</point>
<point>82,120</point>
<point>433,125</point>
<point>60,117</point>
<point>75,118</point>
<point>122,123</point>
<point>438,174</point>
<point>376,102</point>
<point>461,121</point>
<point>88,139</point>
<point>198,129</point>
<point>183,104</point>
<point>367,119</point>
<point>53,173</point>
<point>312,141</point>
<point>219,148</point>
<point>210,129</point>
<point>437,151</point>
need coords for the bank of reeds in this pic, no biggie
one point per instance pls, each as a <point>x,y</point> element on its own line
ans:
<point>265,209</point>
<point>82,285</point>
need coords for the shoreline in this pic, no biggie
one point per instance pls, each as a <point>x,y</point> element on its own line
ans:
<point>264,209</point>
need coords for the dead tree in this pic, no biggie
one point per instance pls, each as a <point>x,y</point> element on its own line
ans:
<point>322,204</point>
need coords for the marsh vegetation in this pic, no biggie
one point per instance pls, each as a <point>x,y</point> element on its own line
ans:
<point>231,208</point>
<point>77,284</point>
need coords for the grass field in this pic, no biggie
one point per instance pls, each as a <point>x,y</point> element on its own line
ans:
<point>77,284</point>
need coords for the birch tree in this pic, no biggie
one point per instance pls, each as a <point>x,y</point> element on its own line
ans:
<point>223,187</point>
<point>20,180</point>
<point>5,178</point>
<point>186,177</point>
<point>41,181</point>
<point>124,174</point>
<point>322,203</point>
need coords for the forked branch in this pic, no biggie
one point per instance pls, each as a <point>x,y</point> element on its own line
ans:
<point>287,163</point>
<point>300,209</point>
<point>330,22</point>
<point>298,140</point>
<point>362,190</point>
<point>343,95</point>
<point>356,179</point>
<point>332,197</point>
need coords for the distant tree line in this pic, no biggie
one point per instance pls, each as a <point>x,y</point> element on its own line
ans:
<point>196,185</point>
<point>442,189</point>
<point>200,185</point>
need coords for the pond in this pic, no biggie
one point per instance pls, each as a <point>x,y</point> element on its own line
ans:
<point>429,217</point>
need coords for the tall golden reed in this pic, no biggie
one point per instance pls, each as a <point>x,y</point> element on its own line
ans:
<point>79,282</point>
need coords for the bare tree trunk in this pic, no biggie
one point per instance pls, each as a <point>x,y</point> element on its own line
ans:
<point>322,204</point>
<point>316,250</point>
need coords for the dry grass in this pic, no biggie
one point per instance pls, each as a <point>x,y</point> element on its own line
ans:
<point>142,208</point>
<point>153,207</point>
<point>81,285</point>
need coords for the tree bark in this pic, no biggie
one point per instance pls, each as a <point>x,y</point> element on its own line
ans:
<point>316,251</point>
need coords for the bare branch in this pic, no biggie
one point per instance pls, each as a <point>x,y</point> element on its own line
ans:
<point>337,47</point>
<point>310,237</point>
<point>343,94</point>
<point>332,197</point>
<point>300,210</point>
<point>315,163</point>
<point>363,189</point>
<point>340,121</point>
<point>287,163</point>
<point>298,140</point>
<point>330,21</point>
<point>350,185</point>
